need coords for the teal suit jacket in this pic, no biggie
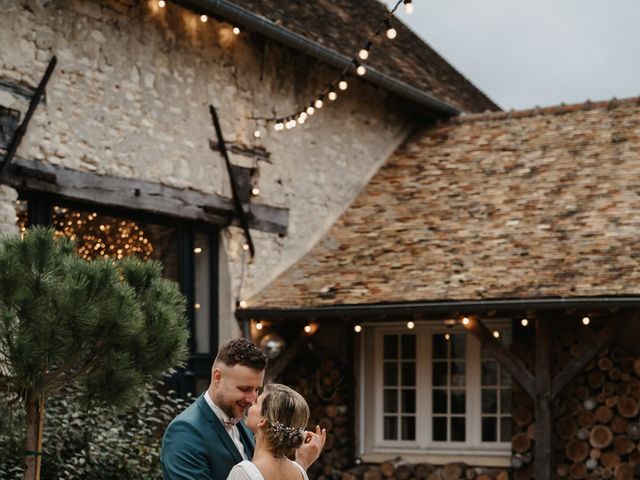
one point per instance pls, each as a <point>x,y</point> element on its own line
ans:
<point>196,446</point>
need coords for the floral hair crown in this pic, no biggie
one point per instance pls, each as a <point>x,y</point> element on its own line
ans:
<point>289,432</point>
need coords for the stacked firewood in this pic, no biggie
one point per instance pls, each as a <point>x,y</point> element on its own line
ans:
<point>401,470</point>
<point>596,423</point>
<point>326,389</point>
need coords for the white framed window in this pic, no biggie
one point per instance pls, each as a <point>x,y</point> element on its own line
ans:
<point>433,390</point>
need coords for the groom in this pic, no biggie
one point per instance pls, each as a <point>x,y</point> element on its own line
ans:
<point>206,440</point>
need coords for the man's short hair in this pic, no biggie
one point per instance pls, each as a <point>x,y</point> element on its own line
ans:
<point>241,351</point>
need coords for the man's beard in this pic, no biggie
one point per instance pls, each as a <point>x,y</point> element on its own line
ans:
<point>227,409</point>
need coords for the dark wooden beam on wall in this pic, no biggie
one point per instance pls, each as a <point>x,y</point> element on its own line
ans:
<point>118,192</point>
<point>274,370</point>
<point>600,340</point>
<point>542,452</point>
<point>508,360</point>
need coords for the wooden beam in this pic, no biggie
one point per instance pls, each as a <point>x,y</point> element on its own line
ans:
<point>544,346</point>
<point>274,371</point>
<point>240,149</point>
<point>508,360</point>
<point>118,192</point>
<point>600,340</point>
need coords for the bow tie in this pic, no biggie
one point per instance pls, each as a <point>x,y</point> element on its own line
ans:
<point>232,422</point>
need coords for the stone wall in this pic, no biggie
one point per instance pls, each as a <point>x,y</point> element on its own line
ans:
<point>130,98</point>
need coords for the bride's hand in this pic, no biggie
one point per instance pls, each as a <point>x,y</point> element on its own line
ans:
<point>311,447</point>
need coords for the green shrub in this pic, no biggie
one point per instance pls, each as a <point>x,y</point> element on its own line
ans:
<point>91,442</point>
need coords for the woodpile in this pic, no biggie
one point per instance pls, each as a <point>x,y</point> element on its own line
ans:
<point>328,393</point>
<point>399,469</point>
<point>596,423</point>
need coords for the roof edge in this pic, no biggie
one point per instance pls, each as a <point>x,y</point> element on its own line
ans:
<point>259,24</point>
<point>351,311</point>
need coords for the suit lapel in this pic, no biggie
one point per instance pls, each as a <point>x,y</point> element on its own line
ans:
<point>219,429</point>
<point>246,437</point>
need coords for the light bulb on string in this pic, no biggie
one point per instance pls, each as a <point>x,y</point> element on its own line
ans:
<point>257,133</point>
<point>364,52</point>
<point>279,125</point>
<point>255,191</point>
<point>342,84</point>
<point>408,6</point>
<point>162,3</point>
<point>310,110</point>
<point>259,326</point>
<point>496,334</point>
<point>410,325</point>
<point>465,321</point>
<point>301,119</point>
<point>236,31</point>
<point>524,322</point>
<point>391,32</point>
<point>332,94</point>
<point>204,18</point>
<point>302,116</point>
<point>319,103</point>
<point>586,320</point>
<point>307,328</point>
<point>357,328</point>
<point>361,69</point>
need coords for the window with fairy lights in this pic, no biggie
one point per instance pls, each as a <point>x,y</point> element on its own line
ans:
<point>434,391</point>
<point>186,250</point>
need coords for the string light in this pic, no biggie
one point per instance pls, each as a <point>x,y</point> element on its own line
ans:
<point>364,53</point>
<point>242,304</point>
<point>465,321</point>
<point>391,32</point>
<point>255,191</point>
<point>257,134</point>
<point>307,328</point>
<point>496,334</point>
<point>357,328</point>
<point>586,320</point>
<point>245,246</point>
<point>197,306</point>
<point>197,250</point>
<point>259,326</point>
<point>524,322</point>
<point>447,336</point>
<point>408,6</point>
<point>410,325</point>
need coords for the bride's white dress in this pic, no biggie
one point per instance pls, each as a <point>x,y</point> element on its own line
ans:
<point>248,471</point>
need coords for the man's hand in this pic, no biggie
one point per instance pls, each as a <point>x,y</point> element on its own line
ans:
<point>311,447</point>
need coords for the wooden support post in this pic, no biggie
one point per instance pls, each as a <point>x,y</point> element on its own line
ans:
<point>543,453</point>
<point>508,360</point>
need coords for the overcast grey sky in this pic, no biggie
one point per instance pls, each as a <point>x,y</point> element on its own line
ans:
<point>524,53</point>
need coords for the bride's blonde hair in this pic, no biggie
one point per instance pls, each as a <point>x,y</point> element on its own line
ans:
<point>286,413</point>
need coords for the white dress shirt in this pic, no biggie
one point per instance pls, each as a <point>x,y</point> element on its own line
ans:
<point>232,431</point>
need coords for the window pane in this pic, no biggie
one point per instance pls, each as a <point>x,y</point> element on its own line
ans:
<point>505,429</point>
<point>505,400</point>
<point>439,429</point>
<point>440,373</point>
<point>458,401</point>
<point>489,373</point>
<point>408,401</point>
<point>408,346</point>
<point>390,401</point>
<point>408,428</point>
<point>458,429</point>
<point>505,378</point>
<point>408,374</point>
<point>439,346</point>
<point>391,373</point>
<point>391,346</point>
<point>390,428</point>
<point>202,307</point>
<point>98,235</point>
<point>489,401</point>
<point>458,377</point>
<point>489,429</point>
<point>439,401</point>
<point>458,346</point>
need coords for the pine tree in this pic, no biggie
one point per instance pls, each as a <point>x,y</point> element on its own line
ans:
<point>107,327</point>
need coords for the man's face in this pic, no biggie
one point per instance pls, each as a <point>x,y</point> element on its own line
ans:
<point>235,388</point>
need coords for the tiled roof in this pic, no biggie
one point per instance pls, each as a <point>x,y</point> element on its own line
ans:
<point>537,203</point>
<point>345,25</point>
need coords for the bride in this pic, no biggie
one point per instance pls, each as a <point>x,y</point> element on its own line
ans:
<point>278,420</point>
